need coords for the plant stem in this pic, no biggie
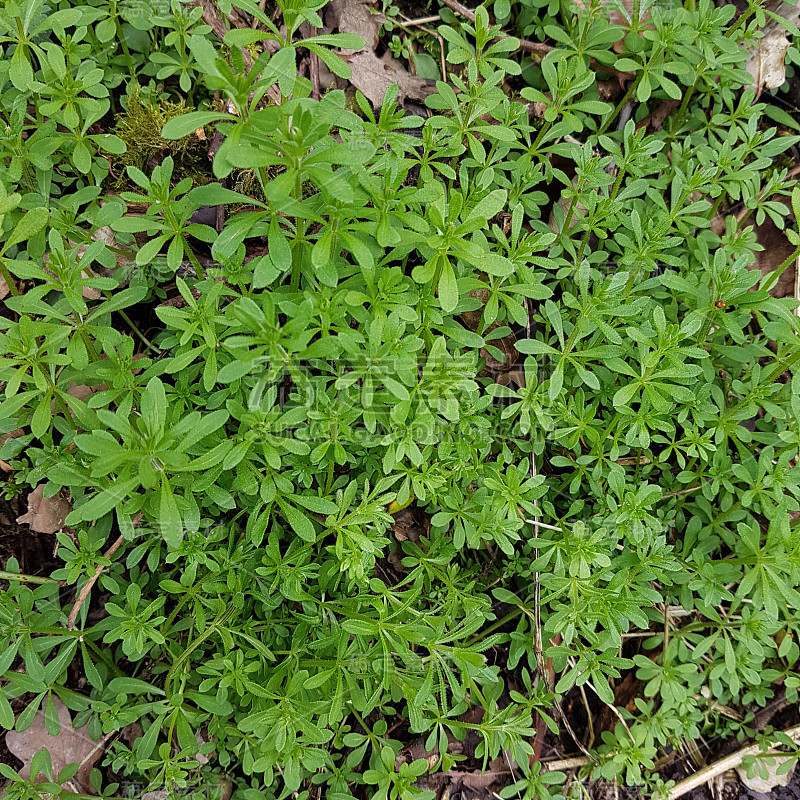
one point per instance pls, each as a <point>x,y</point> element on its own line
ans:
<point>12,287</point>
<point>329,479</point>
<point>14,576</point>
<point>198,269</point>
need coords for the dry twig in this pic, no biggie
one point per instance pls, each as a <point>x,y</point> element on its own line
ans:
<point>723,765</point>
<point>87,587</point>
<point>538,48</point>
<point>408,23</point>
<point>524,44</point>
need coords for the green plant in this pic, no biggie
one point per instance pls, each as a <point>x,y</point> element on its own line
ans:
<point>235,489</point>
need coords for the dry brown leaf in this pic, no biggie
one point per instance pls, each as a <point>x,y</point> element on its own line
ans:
<point>654,121</point>
<point>45,514</point>
<point>766,60</point>
<point>4,290</point>
<point>7,437</point>
<point>159,794</point>
<point>777,249</point>
<point>373,76</point>
<point>515,376</point>
<point>405,527</point>
<point>68,747</point>
<point>764,785</point>
<point>355,16</point>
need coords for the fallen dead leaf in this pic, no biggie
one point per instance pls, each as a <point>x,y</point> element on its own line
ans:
<point>654,121</point>
<point>68,747</point>
<point>766,60</point>
<point>405,527</point>
<point>159,794</point>
<point>764,785</point>
<point>355,16</point>
<point>7,437</point>
<point>130,733</point>
<point>45,514</point>
<point>777,249</point>
<point>4,290</point>
<point>513,376</point>
<point>373,76</point>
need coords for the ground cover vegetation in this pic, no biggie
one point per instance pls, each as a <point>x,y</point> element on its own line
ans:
<point>239,408</point>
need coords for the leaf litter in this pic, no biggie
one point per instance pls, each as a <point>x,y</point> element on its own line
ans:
<point>68,746</point>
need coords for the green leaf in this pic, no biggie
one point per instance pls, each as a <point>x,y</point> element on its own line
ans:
<point>102,502</point>
<point>334,63</point>
<point>360,627</point>
<point>535,347</point>
<point>31,223</point>
<point>319,505</point>
<point>213,194</point>
<point>6,714</point>
<point>242,37</point>
<point>178,127</point>
<point>89,669</point>
<point>345,41</point>
<point>133,686</point>
<point>299,522</point>
<point>211,704</point>
<point>169,521</point>
<point>490,205</point>
<point>279,250</point>
<point>448,288</point>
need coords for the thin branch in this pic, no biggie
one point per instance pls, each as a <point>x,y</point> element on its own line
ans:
<point>410,23</point>
<point>459,8</point>
<point>571,732</point>
<point>524,44</point>
<point>87,587</point>
<point>538,48</point>
<point>682,491</point>
<point>537,524</point>
<point>729,762</point>
<point>611,706</point>
<point>313,69</point>
<point>562,764</point>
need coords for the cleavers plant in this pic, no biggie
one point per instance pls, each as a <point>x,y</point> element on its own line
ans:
<point>325,361</point>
